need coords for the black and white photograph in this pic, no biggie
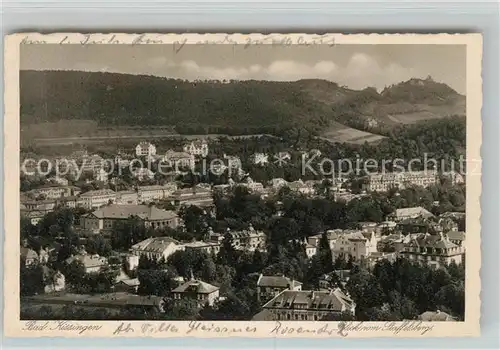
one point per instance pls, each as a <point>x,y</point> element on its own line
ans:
<point>284,179</point>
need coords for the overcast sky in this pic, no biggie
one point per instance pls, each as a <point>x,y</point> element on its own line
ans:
<point>356,66</point>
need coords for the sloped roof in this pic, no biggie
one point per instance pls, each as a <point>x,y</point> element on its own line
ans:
<point>264,315</point>
<point>155,244</point>
<point>277,281</point>
<point>433,241</point>
<point>456,235</point>
<point>132,282</point>
<point>124,211</point>
<point>88,261</point>
<point>28,253</point>
<point>414,211</point>
<point>197,286</point>
<point>335,300</point>
<point>105,192</point>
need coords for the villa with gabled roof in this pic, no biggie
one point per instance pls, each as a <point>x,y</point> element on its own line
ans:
<point>106,217</point>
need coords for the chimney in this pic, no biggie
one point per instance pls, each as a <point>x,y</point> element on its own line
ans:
<point>438,312</point>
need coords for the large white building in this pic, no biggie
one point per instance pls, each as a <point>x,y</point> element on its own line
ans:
<point>383,182</point>
<point>156,247</point>
<point>98,198</point>
<point>145,149</point>
<point>153,193</point>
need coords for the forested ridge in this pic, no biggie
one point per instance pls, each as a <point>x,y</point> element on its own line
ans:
<point>231,107</point>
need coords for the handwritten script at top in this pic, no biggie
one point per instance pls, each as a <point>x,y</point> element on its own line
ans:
<point>178,45</point>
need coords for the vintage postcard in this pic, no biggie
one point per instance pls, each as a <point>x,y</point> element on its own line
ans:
<point>242,185</point>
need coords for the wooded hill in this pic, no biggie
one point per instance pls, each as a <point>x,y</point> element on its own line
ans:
<point>230,107</point>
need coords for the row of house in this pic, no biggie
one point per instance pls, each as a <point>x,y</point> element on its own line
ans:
<point>71,197</point>
<point>436,250</point>
<point>162,247</point>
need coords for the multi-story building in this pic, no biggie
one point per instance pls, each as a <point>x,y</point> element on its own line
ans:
<point>203,293</point>
<point>178,160</point>
<point>209,247</point>
<point>143,174</point>
<point>398,180</point>
<point>153,193</point>
<point>89,164</point>
<point>357,244</point>
<point>331,235</point>
<point>201,197</point>
<point>433,250</point>
<point>98,198</point>
<point>306,305</point>
<point>362,245</point>
<point>51,191</point>
<point>270,286</point>
<point>127,197</point>
<point>45,205</point>
<point>156,247</point>
<point>101,175</point>
<point>249,240</point>
<point>106,217</point>
<point>144,149</point>
<point>197,148</point>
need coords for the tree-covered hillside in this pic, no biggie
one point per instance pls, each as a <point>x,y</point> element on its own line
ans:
<point>231,107</point>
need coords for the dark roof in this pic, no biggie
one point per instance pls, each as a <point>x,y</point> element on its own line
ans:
<point>115,211</point>
<point>276,281</point>
<point>334,300</point>
<point>456,235</point>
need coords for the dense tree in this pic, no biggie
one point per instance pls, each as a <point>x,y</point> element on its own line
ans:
<point>31,279</point>
<point>97,244</point>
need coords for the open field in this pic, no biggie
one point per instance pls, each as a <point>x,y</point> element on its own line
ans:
<point>67,132</point>
<point>341,133</point>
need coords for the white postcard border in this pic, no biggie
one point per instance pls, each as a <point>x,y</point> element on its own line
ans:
<point>13,327</point>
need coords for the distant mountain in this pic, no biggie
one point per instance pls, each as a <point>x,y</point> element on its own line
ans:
<point>234,107</point>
